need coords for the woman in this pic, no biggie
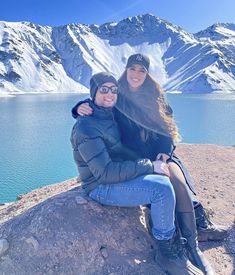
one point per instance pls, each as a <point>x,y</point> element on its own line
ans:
<point>142,112</point>
<point>110,180</point>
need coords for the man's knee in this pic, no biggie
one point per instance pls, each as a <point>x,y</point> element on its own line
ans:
<point>168,189</point>
<point>164,189</point>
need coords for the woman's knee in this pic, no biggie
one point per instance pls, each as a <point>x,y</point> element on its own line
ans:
<point>177,177</point>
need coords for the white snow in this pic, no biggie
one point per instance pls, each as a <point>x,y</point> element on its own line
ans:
<point>62,59</point>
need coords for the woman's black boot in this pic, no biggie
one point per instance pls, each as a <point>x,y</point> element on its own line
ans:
<point>187,225</point>
<point>206,229</point>
<point>172,259</point>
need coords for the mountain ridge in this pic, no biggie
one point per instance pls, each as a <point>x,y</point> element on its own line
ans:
<point>35,58</point>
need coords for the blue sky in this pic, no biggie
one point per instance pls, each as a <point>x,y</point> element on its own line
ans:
<point>192,15</point>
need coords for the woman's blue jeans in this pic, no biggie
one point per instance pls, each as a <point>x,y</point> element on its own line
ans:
<point>152,189</point>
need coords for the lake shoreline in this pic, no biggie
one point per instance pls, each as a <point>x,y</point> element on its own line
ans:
<point>19,196</point>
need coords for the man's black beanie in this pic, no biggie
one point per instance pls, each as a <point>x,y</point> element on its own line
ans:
<point>98,80</point>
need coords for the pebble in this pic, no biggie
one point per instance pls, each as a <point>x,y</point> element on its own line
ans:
<point>19,197</point>
<point>33,242</point>
<point>4,245</point>
<point>137,261</point>
<point>80,200</point>
<point>104,252</point>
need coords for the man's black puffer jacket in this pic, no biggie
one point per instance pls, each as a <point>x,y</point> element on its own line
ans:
<point>99,154</point>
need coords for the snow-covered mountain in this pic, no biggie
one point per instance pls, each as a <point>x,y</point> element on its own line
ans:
<point>62,59</point>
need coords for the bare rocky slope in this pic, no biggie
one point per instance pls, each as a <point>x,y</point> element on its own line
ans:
<point>52,230</point>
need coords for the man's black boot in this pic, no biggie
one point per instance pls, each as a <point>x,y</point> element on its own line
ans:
<point>187,225</point>
<point>207,230</point>
<point>171,258</point>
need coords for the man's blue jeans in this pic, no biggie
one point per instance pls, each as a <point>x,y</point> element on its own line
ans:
<point>152,189</point>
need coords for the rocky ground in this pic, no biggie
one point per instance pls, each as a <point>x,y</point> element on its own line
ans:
<point>213,169</point>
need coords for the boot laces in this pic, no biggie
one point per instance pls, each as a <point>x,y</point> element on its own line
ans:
<point>173,248</point>
<point>204,218</point>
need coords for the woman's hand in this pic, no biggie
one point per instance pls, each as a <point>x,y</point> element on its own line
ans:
<point>163,157</point>
<point>84,109</point>
<point>161,168</point>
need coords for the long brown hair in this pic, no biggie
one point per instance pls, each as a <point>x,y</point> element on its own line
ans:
<point>162,106</point>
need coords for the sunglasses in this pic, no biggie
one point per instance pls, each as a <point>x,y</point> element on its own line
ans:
<point>105,89</point>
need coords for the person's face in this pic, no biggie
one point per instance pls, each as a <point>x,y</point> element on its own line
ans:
<point>108,99</point>
<point>136,75</point>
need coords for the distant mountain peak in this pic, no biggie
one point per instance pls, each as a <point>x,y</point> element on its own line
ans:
<point>218,31</point>
<point>63,58</point>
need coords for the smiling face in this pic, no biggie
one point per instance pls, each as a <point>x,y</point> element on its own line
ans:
<point>106,100</point>
<point>136,75</point>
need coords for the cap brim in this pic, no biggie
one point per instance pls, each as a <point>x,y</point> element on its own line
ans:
<point>139,63</point>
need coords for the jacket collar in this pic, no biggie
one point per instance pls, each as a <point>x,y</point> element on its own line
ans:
<point>101,112</point>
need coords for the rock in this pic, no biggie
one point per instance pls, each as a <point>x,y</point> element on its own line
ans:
<point>33,242</point>
<point>80,200</point>
<point>104,252</point>
<point>58,236</point>
<point>4,245</point>
<point>19,197</point>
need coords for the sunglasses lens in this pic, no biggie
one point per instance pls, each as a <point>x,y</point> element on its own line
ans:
<point>114,89</point>
<point>105,90</point>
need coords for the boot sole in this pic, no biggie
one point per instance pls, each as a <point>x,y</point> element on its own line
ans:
<point>204,236</point>
<point>193,270</point>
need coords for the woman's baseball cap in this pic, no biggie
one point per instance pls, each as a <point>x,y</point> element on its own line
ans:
<point>138,59</point>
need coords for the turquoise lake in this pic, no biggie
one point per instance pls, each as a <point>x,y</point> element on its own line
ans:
<point>35,132</point>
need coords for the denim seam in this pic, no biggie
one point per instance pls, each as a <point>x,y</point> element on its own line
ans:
<point>99,197</point>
